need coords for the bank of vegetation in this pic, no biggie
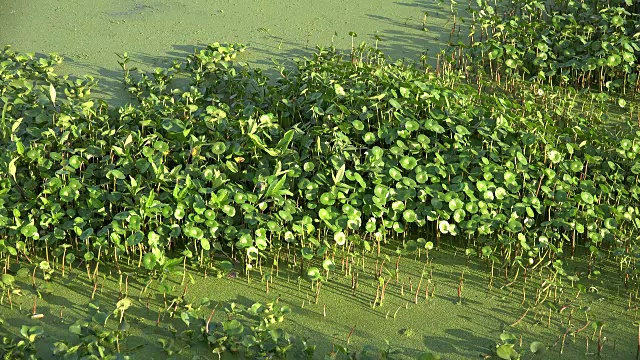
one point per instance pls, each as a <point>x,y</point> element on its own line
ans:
<point>519,145</point>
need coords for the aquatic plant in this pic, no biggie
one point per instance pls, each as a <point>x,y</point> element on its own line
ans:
<point>566,43</point>
<point>323,161</point>
<point>339,157</point>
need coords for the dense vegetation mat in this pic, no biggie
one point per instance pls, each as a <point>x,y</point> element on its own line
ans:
<point>520,147</point>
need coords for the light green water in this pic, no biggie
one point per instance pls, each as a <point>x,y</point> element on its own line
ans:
<point>439,324</point>
<point>89,34</point>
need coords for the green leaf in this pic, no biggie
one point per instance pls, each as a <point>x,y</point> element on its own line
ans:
<point>610,223</point>
<point>461,130</point>
<point>258,142</point>
<point>508,337</point>
<point>229,210</point>
<point>274,187</point>
<point>307,253</point>
<point>536,347</point>
<point>328,265</point>
<point>339,175</point>
<point>12,168</point>
<point>76,328</point>
<point>455,204</point>
<point>395,174</point>
<point>52,93</point>
<point>576,166</point>
<point>225,265</point>
<point>459,215</point>
<point>586,197</point>
<point>313,273</point>
<point>360,180</point>
<point>29,230</point>
<point>116,174</point>
<point>369,138</point>
<point>327,199</point>
<point>397,206</point>
<point>443,226</point>
<point>412,125</point>
<point>149,261</point>
<point>308,166</point>
<point>7,279</point>
<point>409,216</point>
<point>233,327</point>
<point>184,316</point>
<point>613,60</point>
<point>179,213</point>
<point>286,140</point>
<point>123,304</point>
<point>101,318</point>
<point>472,207</point>
<point>244,242</point>
<point>408,162</point>
<point>622,102</point>
<point>509,177</point>
<point>554,156</point>
<point>507,352</point>
<point>395,104</point>
<point>358,125</point>
<point>219,148</point>
<point>86,234</point>
<point>161,146</point>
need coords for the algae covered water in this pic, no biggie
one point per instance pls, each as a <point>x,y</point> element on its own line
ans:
<point>90,34</point>
<point>404,325</point>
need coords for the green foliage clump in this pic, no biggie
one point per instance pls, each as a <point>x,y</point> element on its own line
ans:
<point>337,152</point>
<point>570,43</point>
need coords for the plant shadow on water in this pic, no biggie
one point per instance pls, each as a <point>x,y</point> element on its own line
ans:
<point>344,310</point>
<point>467,339</point>
<point>399,39</point>
<point>439,345</point>
<point>111,86</point>
<point>427,32</point>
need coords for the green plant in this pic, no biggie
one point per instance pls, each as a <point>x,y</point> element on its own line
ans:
<point>442,162</point>
<point>22,346</point>
<point>506,350</point>
<point>512,159</point>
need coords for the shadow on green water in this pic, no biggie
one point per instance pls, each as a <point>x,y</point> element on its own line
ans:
<point>90,37</point>
<point>437,323</point>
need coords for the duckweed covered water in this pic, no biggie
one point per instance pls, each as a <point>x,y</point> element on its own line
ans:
<point>90,34</point>
<point>440,324</point>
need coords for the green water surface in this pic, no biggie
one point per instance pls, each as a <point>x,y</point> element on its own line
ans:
<point>439,324</point>
<point>90,34</point>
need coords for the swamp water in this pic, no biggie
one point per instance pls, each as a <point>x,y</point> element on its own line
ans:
<point>442,324</point>
<point>90,35</point>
